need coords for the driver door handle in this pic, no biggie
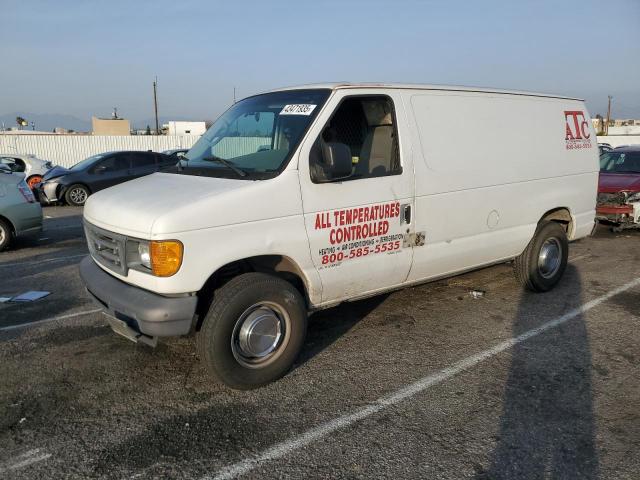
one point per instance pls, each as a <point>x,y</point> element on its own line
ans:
<point>405,217</point>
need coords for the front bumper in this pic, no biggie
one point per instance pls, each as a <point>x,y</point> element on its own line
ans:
<point>145,312</point>
<point>46,192</point>
<point>618,214</point>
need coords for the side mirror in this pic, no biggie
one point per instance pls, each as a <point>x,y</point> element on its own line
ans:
<point>336,159</point>
<point>100,169</point>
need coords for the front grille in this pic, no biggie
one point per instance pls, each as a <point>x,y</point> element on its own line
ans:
<point>618,198</point>
<point>107,248</point>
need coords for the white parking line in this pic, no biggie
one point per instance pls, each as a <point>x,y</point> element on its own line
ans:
<point>282,449</point>
<point>52,319</point>
<point>26,459</point>
<point>38,262</point>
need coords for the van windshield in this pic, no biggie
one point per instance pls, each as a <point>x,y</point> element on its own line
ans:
<point>256,137</point>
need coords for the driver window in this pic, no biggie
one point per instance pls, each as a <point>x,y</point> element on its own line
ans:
<point>365,124</point>
<point>15,164</point>
<point>114,163</point>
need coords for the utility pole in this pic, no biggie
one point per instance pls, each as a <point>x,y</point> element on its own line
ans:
<point>608,116</point>
<point>234,94</point>
<point>155,103</point>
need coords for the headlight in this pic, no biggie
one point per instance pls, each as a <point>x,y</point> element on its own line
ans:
<point>143,254</point>
<point>161,258</point>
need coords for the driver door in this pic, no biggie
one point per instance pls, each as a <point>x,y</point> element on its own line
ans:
<point>110,171</point>
<point>358,226</point>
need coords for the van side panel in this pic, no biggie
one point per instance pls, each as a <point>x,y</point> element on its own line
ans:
<point>488,166</point>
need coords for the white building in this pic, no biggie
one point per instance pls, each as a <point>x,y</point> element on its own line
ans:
<point>185,128</point>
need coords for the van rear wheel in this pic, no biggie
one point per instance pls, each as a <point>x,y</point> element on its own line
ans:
<point>253,332</point>
<point>542,264</point>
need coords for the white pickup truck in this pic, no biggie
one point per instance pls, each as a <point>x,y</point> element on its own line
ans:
<point>302,198</point>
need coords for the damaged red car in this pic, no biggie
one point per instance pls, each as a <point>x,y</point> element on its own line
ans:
<point>619,188</point>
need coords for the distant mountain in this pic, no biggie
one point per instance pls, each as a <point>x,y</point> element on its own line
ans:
<point>47,121</point>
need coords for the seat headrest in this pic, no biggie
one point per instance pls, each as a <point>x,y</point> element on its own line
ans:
<point>377,113</point>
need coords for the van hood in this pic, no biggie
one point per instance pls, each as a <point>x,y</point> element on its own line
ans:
<point>164,203</point>
<point>616,182</point>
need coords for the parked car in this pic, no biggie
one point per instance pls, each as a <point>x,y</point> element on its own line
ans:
<point>604,147</point>
<point>33,167</point>
<point>303,198</point>
<point>19,211</point>
<point>74,185</point>
<point>619,188</point>
<point>176,152</point>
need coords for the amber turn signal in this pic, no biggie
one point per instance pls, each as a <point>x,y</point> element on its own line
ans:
<point>166,257</point>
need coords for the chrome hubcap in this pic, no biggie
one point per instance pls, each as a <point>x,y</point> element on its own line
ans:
<point>259,334</point>
<point>3,235</point>
<point>78,195</point>
<point>550,257</point>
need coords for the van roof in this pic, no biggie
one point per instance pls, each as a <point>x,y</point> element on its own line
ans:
<point>418,86</point>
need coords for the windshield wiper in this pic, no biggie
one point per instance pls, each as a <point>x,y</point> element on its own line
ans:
<point>227,164</point>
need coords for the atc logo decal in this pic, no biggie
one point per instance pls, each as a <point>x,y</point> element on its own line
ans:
<point>577,133</point>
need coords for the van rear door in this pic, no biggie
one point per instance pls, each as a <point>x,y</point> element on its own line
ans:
<point>357,226</point>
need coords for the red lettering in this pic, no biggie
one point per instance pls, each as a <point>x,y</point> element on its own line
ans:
<point>569,135</point>
<point>580,129</point>
<point>585,125</point>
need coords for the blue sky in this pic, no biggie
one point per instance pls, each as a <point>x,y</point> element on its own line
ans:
<point>83,57</point>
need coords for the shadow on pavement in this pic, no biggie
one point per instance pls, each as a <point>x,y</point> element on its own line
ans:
<point>547,426</point>
<point>327,326</point>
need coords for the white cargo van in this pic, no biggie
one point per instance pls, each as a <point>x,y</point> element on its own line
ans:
<point>302,198</point>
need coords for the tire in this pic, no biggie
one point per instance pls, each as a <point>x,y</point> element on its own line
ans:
<point>6,235</point>
<point>252,297</point>
<point>33,180</point>
<point>76,195</point>
<point>538,272</point>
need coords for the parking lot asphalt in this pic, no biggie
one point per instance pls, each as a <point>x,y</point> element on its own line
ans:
<point>426,382</point>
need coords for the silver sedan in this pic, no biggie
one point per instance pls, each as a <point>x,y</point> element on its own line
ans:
<point>33,167</point>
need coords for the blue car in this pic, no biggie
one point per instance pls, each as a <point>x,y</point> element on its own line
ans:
<point>20,213</point>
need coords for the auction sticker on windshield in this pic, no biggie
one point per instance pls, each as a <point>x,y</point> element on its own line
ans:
<point>298,109</point>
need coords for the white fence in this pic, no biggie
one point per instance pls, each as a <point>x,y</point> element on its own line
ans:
<point>230,147</point>
<point>619,140</point>
<point>67,150</point>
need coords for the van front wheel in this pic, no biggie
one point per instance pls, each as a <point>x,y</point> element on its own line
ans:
<point>542,264</point>
<point>253,332</point>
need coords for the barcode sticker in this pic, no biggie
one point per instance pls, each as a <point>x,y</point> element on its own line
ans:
<point>298,109</point>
